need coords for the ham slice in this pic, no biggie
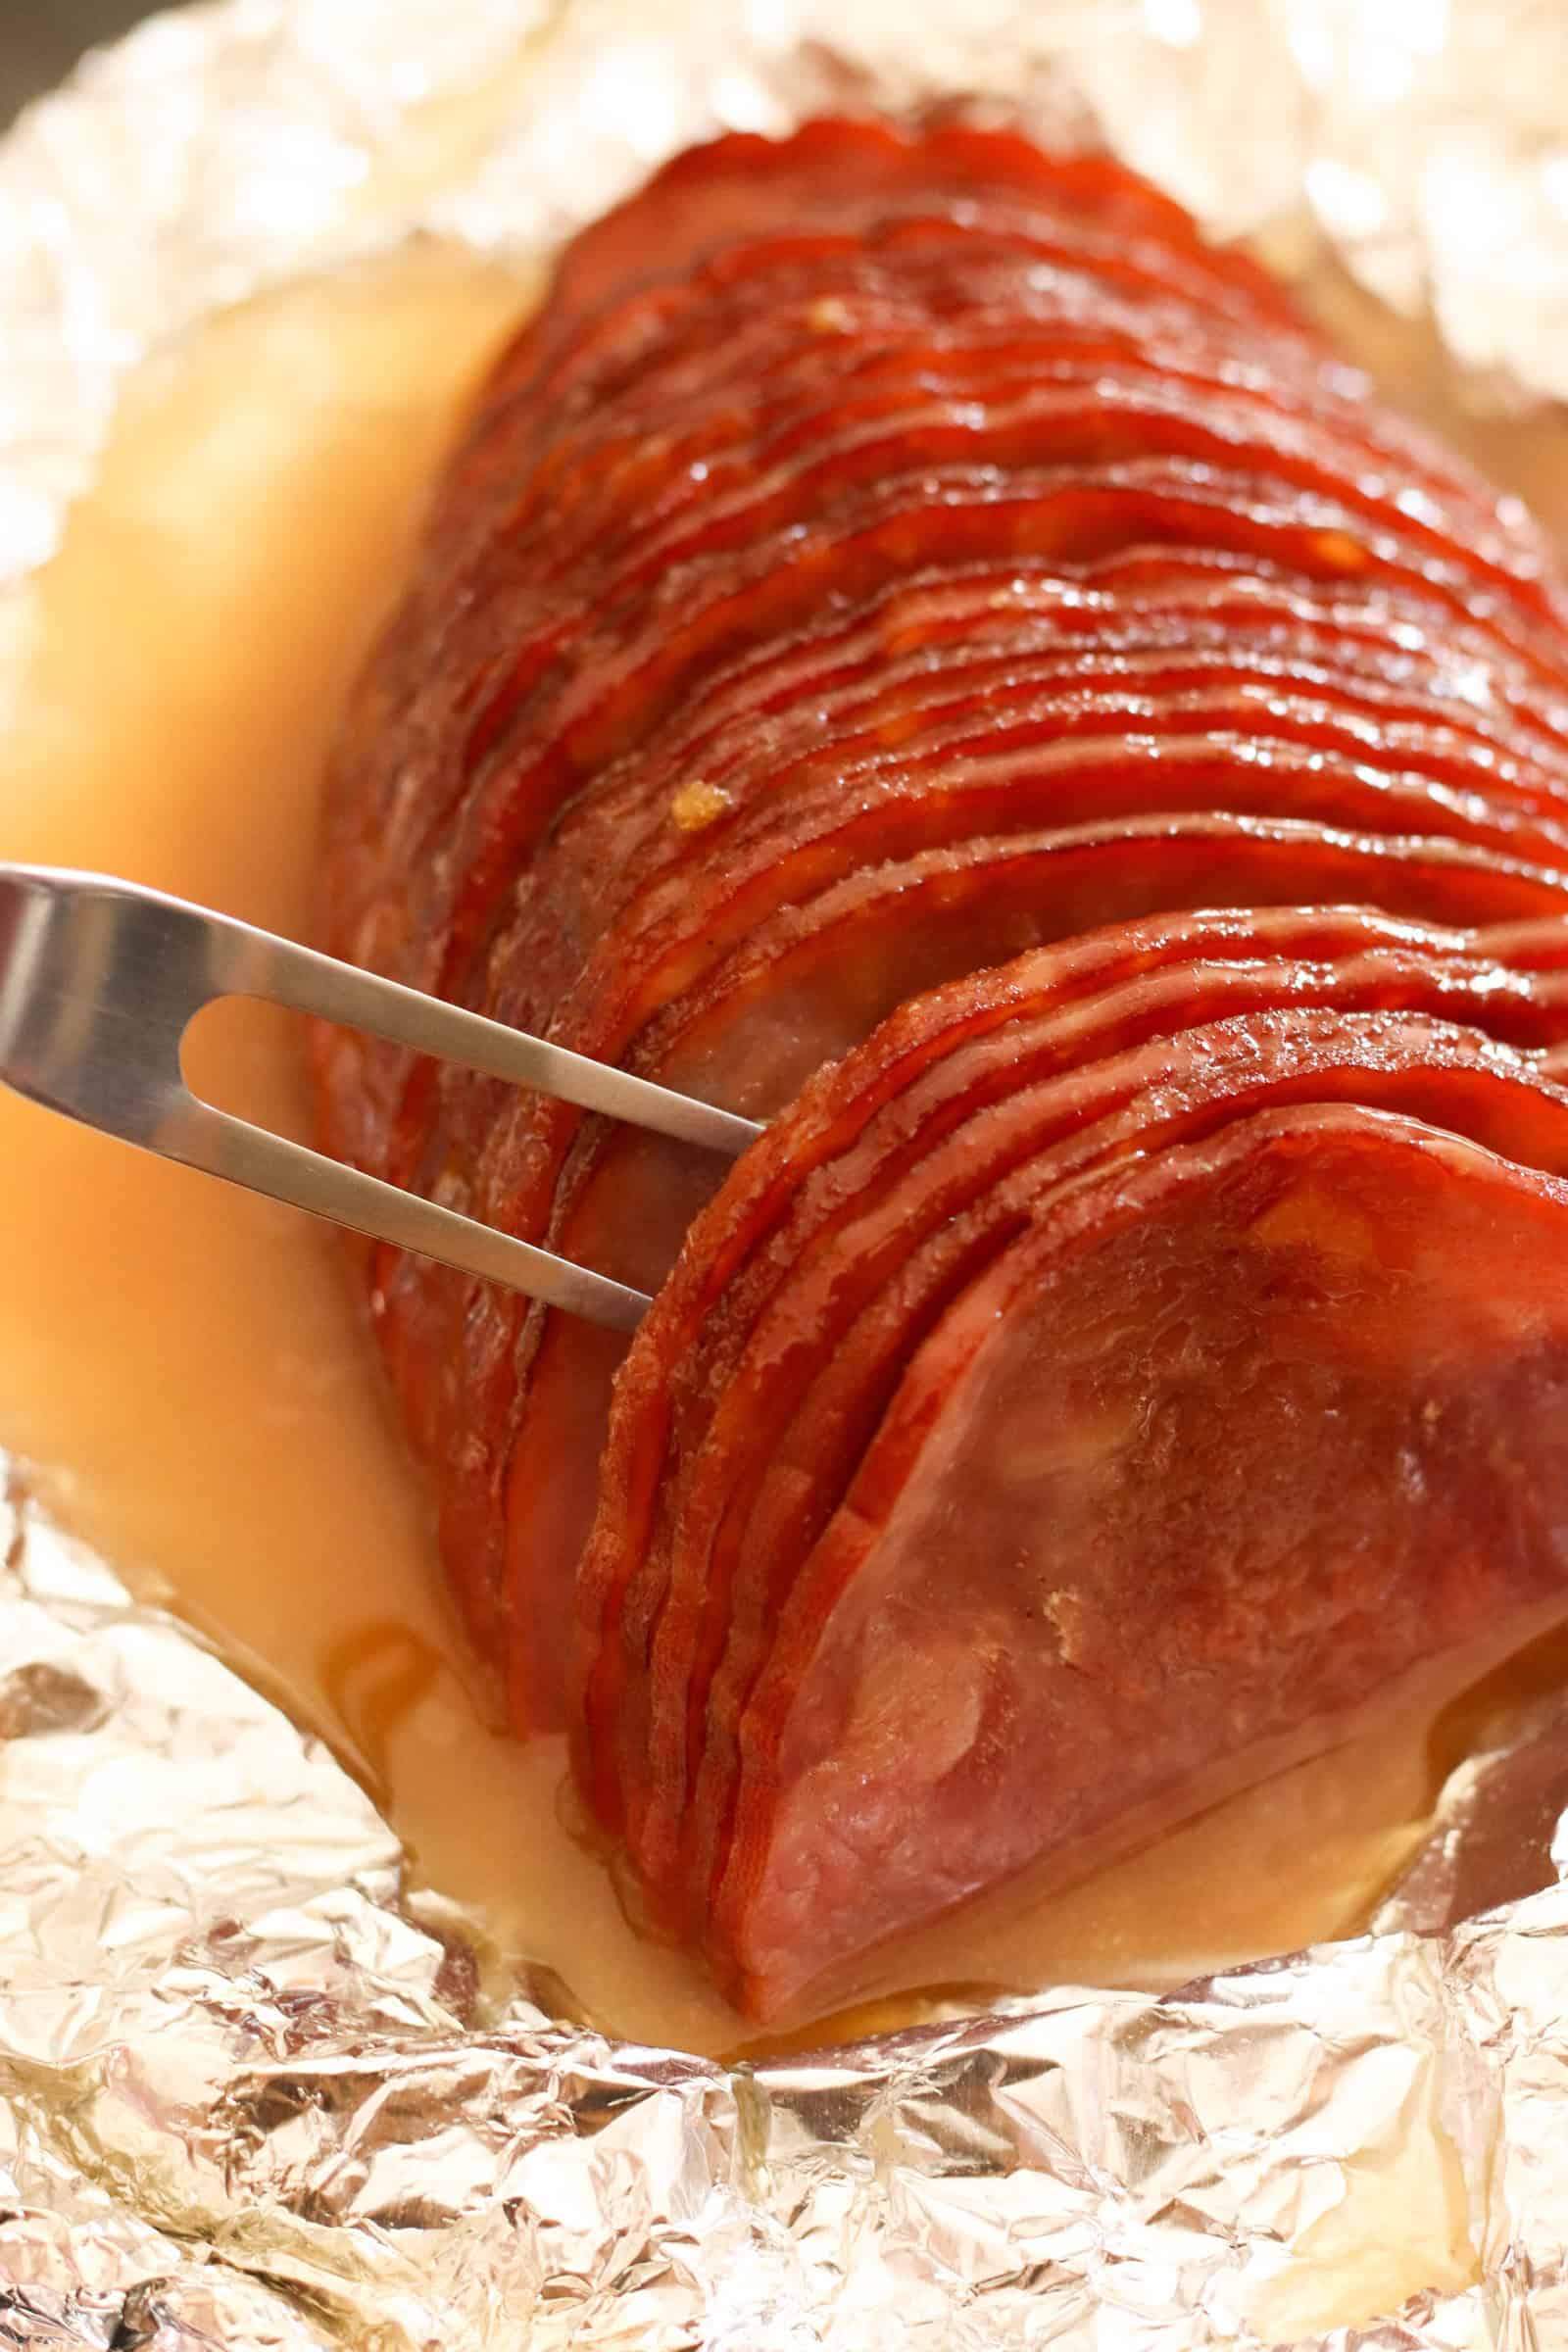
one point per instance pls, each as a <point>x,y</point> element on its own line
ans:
<point>918,647</point>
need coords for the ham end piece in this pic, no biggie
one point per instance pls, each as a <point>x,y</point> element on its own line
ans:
<point>1079,1387</point>
<point>1223,1448</point>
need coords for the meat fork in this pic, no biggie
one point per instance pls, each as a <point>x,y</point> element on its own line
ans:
<point>100,980</point>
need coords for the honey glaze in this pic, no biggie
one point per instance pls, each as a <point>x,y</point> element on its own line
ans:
<point>189,1368</point>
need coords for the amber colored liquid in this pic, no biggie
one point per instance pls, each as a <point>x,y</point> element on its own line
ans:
<point>187,1367</point>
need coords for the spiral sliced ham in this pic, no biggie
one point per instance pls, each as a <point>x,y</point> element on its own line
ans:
<point>918,648</point>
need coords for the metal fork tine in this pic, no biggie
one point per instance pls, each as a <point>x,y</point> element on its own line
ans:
<point>270,1164</point>
<point>100,979</point>
<point>318,984</point>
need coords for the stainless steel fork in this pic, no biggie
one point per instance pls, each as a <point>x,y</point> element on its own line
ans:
<point>100,980</point>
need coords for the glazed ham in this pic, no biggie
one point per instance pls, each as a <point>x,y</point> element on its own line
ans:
<point>918,649</point>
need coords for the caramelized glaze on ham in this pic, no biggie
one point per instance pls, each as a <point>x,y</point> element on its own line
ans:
<point>920,649</point>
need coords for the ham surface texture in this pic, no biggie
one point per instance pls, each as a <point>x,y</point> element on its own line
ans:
<point>917,648</point>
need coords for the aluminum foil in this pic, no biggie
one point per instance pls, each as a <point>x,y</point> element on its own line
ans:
<point>251,2093</point>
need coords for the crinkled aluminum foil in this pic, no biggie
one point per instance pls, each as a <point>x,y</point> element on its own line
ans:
<point>250,2096</point>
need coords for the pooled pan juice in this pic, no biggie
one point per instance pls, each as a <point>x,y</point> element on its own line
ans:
<point>907,605</point>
